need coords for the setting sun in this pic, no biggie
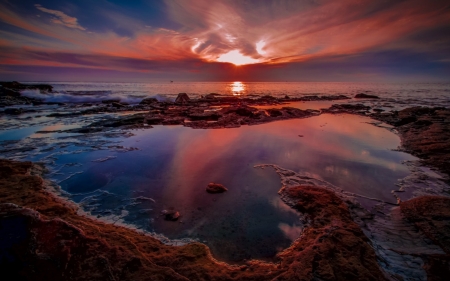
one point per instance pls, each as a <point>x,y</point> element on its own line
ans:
<point>235,57</point>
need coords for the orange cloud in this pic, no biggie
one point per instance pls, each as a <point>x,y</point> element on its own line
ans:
<point>237,32</point>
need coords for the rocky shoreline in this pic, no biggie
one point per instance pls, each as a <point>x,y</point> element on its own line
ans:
<point>47,238</point>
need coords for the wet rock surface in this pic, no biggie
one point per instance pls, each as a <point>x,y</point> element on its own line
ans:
<point>431,214</point>
<point>10,93</point>
<point>333,247</point>
<point>424,132</point>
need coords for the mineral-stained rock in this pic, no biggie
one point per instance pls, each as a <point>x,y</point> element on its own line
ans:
<point>366,96</point>
<point>182,98</point>
<point>215,188</point>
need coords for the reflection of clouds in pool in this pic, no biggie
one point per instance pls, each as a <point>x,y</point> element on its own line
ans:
<point>291,232</point>
<point>337,171</point>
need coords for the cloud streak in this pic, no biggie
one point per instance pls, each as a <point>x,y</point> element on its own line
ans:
<point>284,34</point>
<point>61,18</point>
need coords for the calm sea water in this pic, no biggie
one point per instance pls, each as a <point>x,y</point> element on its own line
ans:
<point>425,93</point>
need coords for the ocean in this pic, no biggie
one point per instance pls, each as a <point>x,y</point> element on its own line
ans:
<point>428,94</point>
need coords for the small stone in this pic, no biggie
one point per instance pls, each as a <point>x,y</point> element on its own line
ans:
<point>170,215</point>
<point>215,188</point>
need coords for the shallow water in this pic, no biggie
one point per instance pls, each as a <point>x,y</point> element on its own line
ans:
<point>173,165</point>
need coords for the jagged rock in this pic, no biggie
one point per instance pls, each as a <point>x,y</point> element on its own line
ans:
<point>211,96</point>
<point>182,98</point>
<point>14,85</point>
<point>148,101</point>
<point>8,93</point>
<point>215,188</point>
<point>110,101</point>
<point>274,112</point>
<point>117,104</point>
<point>366,96</point>
<point>13,111</point>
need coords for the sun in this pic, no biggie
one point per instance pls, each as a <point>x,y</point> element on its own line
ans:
<point>235,57</point>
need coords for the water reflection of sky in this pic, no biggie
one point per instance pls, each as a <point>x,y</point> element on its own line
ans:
<point>174,165</point>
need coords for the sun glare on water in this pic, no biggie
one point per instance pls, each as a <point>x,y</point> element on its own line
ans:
<point>235,57</point>
<point>237,88</point>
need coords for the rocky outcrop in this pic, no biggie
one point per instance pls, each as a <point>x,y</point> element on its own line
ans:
<point>182,98</point>
<point>149,101</point>
<point>332,247</point>
<point>424,132</point>
<point>366,96</point>
<point>14,85</point>
<point>431,214</point>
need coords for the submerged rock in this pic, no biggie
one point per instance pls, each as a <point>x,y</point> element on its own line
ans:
<point>149,101</point>
<point>366,96</point>
<point>215,188</point>
<point>171,215</point>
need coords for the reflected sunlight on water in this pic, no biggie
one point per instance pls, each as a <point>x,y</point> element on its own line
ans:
<point>237,88</point>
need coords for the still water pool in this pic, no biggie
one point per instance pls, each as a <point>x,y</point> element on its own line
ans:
<point>172,166</point>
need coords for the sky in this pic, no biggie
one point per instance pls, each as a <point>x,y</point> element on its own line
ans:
<point>213,40</point>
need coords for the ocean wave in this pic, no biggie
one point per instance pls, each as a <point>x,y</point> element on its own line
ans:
<point>92,96</point>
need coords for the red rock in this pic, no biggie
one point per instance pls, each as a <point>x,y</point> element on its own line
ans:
<point>215,188</point>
